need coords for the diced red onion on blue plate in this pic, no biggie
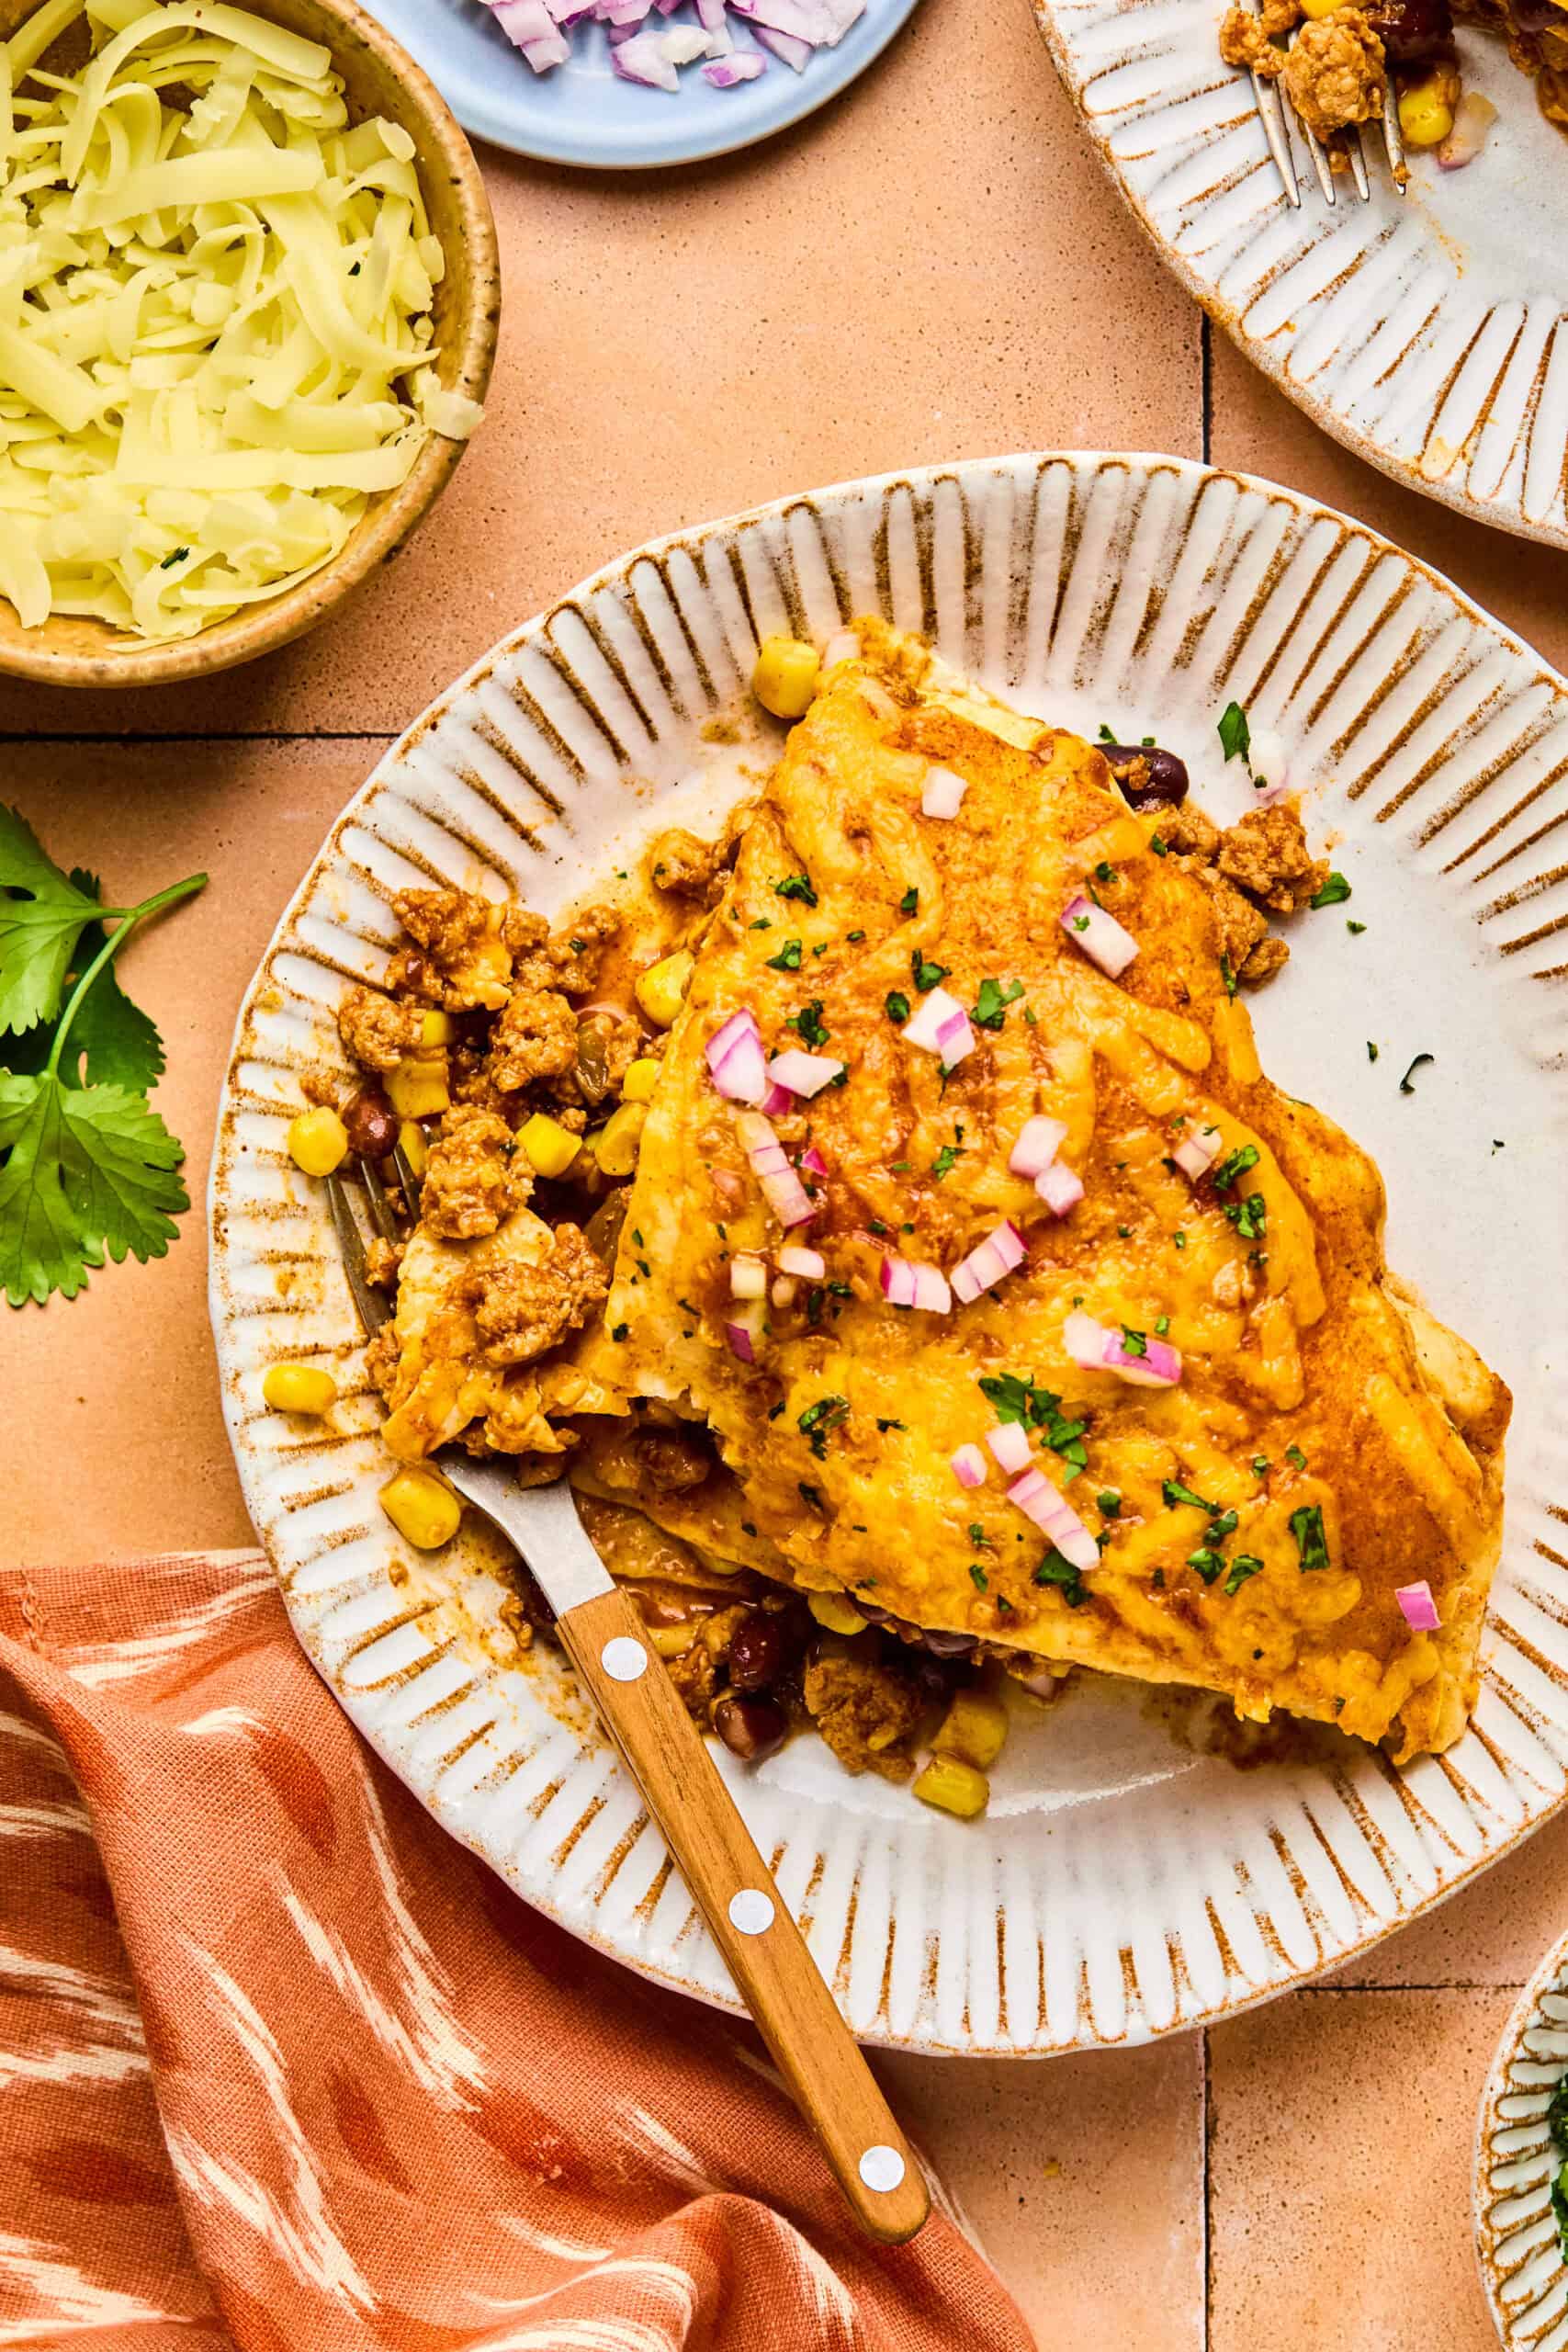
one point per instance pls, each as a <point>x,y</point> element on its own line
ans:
<point>1059,1188</point>
<point>1419,1608</point>
<point>909,1281</point>
<point>1055,1516</point>
<point>790,30</point>
<point>1099,935</point>
<point>1095,1348</point>
<point>804,1073</point>
<point>940,1026</point>
<point>781,1188</point>
<point>1195,1155</point>
<point>725,72</point>
<point>942,793</point>
<point>1009,1441</point>
<point>736,1061</point>
<point>969,1467</point>
<point>1000,1253</point>
<point>809,1265</point>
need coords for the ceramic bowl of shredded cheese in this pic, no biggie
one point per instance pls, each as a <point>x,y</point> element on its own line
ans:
<point>248,306</point>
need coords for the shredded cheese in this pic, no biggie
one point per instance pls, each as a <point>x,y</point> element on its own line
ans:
<point>215,341</point>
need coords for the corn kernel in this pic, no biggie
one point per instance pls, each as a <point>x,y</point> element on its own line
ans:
<point>1320,7</point>
<point>640,1079</point>
<point>661,989</point>
<point>785,679</point>
<point>318,1142</point>
<point>840,1616</point>
<point>422,1507</point>
<point>973,1728</point>
<point>436,1028</point>
<point>298,1388</point>
<point>411,1144</point>
<point>417,1090</point>
<point>954,1786</point>
<point>617,1143</point>
<point>550,1146</point>
<point>672,1641</point>
<point>1424,116</point>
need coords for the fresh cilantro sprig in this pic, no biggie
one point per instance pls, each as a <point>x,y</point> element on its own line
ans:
<point>86,1166</point>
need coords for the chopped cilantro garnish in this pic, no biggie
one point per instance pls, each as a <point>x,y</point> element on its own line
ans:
<point>1236,1165</point>
<point>621,1331</point>
<point>1135,1343</point>
<point>1174,1492</point>
<point>1244,1565</point>
<point>1105,871</point>
<point>1260,1465</point>
<point>796,886</point>
<point>1218,1529</point>
<point>812,1495</point>
<point>1162,1325</point>
<point>1157,846</point>
<point>819,1418</point>
<point>1333,892</point>
<point>885,1425</point>
<point>944,1159</point>
<point>1371,1051</point>
<point>978,1537</point>
<point>1355,929</point>
<point>1208,1563</point>
<point>851,936</point>
<point>1250,1217</point>
<point>1080,922</point>
<point>1294,1456</point>
<point>1227,975</point>
<point>181,555</point>
<point>1235,736</point>
<point>808,1024</point>
<point>1404,1085</point>
<point>1105,736</point>
<point>762,924</point>
<point>1054,1569</point>
<point>787,959</point>
<point>926,974</point>
<point>1306,1526</point>
<point>896,1005</point>
<point>1108,1503</point>
<point>978,1576</point>
<point>1179,1239</point>
<point>909,901</point>
<point>990,1005</point>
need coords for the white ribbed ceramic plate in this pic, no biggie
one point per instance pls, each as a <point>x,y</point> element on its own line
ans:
<point>1516,2159</point>
<point>1427,333</point>
<point>1125,1880</point>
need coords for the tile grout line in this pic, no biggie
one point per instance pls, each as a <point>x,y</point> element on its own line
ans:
<point>1207,2183</point>
<point>258,735</point>
<point>1206,363</point>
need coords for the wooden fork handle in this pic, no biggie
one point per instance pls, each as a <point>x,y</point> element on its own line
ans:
<point>763,1947</point>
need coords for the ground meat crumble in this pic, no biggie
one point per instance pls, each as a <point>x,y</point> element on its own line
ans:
<point>476,1176</point>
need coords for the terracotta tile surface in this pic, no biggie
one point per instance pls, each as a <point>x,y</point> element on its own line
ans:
<point>1083,2180</point>
<point>900,280</point>
<point>1340,2157</point>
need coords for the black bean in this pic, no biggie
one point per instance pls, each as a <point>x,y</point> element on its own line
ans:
<point>750,1728</point>
<point>756,1652</point>
<point>1163,787</point>
<point>370,1125</point>
<point>1412,30</point>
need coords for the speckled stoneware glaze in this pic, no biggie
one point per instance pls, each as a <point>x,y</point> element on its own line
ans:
<point>1516,2158</point>
<point>1426,331</point>
<point>1130,1877</point>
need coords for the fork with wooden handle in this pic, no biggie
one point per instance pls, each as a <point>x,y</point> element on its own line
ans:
<point>638,1703</point>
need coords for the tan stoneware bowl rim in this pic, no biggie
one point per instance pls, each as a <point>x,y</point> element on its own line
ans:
<point>259,629</point>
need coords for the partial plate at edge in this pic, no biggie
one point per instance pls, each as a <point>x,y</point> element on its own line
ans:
<point>1516,2241</point>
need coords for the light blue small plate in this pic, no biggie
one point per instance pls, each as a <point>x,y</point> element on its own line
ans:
<point>584,113</point>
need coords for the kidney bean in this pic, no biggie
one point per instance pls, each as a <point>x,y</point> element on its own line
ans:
<point>750,1728</point>
<point>369,1123</point>
<point>756,1652</point>
<point>1413,30</point>
<point>1164,785</point>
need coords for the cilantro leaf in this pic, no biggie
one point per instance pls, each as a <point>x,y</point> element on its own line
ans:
<point>1244,1157</point>
<point>927,974</point>
<point>787,959</point>
<point>113,1042</point>
<point>1306,1526</point>
<point>990,1005</point>
<point>38,931</point>
<point>796,886</point>
<point>1244,1565</point>
<point>944,1159</point>
<point>1054,1569</point>
<point>90,1170</point>
<point>1235,736</point>
<point>1333,893</point>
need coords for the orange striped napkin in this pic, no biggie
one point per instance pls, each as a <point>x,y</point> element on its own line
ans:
<point>285,2070</point>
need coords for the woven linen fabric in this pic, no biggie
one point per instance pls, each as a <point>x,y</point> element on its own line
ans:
<point>285,2069</point>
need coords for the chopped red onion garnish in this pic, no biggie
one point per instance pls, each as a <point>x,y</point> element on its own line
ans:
<point>736,1061</point>
<point>781,1188</point>
<point>795,54</point>
<point>1039,1141</point>
<point>1059,1189</point>
<point>1420,1611</point>
<point>909,1281</point>
<point>743,1332</point>
<point>813,1162</point>
<point>804,1073</point>
<point>1056,1517</point>
<point>1196,1154</point>
<point>942,793</point>
<point>748,1276</point>
<point>969,1467</point>
<point>1473,118</point>
<point>1009,1441</point>
<point>842,646</point>
<point>1151,1364</point>
<point>1099,935</point>
<point>642,59</point>
<point>999,1254</point>
<point>809,1264</point>
<point>940,1026</point>
<point>725,72</point>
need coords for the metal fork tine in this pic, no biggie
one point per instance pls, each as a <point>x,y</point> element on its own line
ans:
<point>1271,114</point>
<point>372,1307</point>
<point>406,1179</point>
<point>1358,155</point>
<point>1322,167</point>
<point>1392,136</point>
<point>381,1215</point>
